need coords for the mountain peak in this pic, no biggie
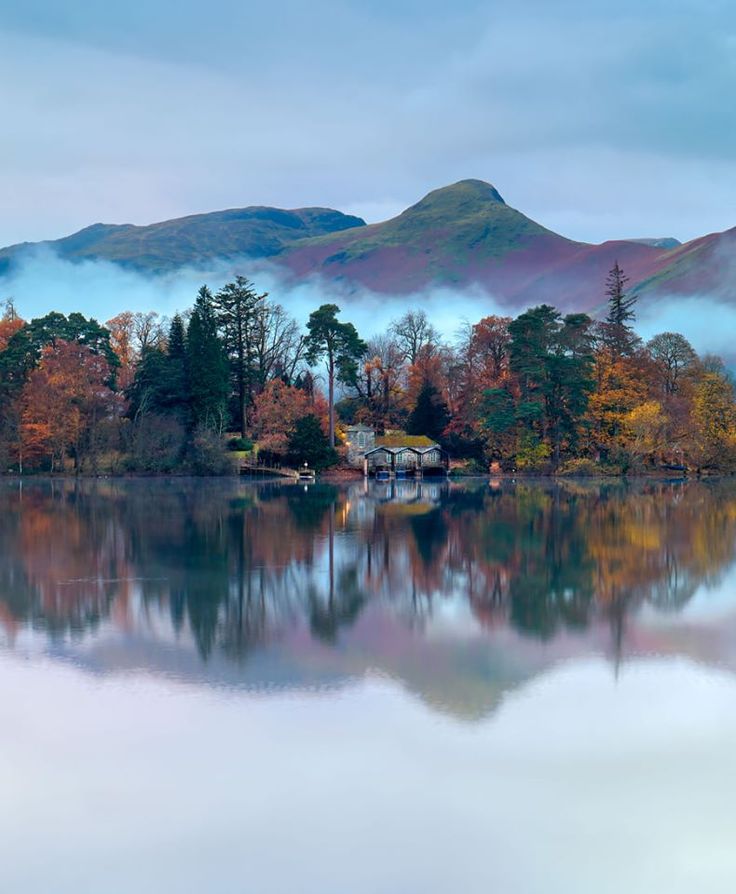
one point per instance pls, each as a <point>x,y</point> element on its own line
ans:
<point>478,188</point>
<point>464,193</point>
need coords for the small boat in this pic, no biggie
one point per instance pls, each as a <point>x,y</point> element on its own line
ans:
<point>307,475</point>
<point>383,475</point>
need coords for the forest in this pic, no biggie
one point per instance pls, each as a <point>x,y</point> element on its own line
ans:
<point>541,393</point>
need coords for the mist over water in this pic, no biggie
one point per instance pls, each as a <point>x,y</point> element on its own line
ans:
<point>41,281</point>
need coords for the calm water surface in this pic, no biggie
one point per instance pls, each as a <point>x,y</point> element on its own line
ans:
<point>231,687</point>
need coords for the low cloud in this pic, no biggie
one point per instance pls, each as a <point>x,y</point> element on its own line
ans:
<point>705,321</point>
<point>42,281</point>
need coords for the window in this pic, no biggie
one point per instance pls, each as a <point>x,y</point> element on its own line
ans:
<point>361,439</point>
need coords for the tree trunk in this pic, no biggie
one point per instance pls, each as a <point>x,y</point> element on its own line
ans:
<point>331,401</point>
<point>241,383</point>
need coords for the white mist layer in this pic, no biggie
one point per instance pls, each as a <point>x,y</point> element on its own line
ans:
<point>42,281</point>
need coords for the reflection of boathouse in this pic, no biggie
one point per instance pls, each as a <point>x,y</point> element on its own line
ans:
<point>395,454</point>
<point>418,495</point>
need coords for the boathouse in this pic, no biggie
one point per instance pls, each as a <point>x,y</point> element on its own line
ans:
<point>395,454</point>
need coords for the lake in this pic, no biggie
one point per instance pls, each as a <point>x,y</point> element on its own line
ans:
<point>221,686</point>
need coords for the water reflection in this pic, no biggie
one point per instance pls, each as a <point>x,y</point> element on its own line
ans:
<point>460,591</point>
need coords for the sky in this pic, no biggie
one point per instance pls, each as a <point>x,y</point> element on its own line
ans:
<point>598,119</point>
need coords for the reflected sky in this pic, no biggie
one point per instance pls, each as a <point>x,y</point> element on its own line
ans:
<point>224,686</point>
<point>578,783</point>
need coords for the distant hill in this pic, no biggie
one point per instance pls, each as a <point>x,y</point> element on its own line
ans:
<point>458,236</point>
<point>254,232</point>
<point>660,242</point>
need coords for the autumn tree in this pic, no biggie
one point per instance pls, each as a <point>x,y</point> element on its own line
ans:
<point>378,382</point>
<point>645,430</point>
<point>65,403</point>
<point>276,411</point>
<point>10,322</point>
<point>713,435</point>
<point>480,365</point>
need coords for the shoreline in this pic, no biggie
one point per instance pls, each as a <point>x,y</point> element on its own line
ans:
<point>340,475</point>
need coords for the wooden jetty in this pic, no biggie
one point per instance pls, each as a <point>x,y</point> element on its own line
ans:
<point>255,470</point>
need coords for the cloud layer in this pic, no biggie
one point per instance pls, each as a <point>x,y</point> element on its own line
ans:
<point>43,282</point>
<point>600,120</point>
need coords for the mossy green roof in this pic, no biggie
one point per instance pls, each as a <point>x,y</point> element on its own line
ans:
<point>404,441</point>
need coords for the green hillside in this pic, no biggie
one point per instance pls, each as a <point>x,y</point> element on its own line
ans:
<point>257,232</point>
<point>457,220</point>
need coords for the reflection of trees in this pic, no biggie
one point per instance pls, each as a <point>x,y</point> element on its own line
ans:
<point>236,566</point>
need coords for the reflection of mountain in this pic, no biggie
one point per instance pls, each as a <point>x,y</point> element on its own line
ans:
<point>459,592</point>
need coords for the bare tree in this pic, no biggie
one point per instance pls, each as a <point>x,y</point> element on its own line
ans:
<point>412,332</point>
<point>379,381</point>
<point>9,310</point>
<point>149,331</point>
<point>673,354</point>
<point>278,346</point>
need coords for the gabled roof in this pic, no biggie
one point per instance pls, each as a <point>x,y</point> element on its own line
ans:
<point>395,450</point>
<point>358,427</point>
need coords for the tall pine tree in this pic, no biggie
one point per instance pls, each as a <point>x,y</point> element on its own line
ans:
<point>207,366</point>
<point>339,345</point>
<point>618,332</point>
<point>238,306</point>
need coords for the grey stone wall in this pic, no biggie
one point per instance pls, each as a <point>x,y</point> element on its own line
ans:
<point>359,440</point>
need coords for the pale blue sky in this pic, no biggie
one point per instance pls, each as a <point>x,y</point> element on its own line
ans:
<point>598,119</point>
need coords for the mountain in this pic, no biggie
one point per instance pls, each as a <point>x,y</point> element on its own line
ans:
<point>459,236</point>
<point>254,232</point>
<point>466,235</point>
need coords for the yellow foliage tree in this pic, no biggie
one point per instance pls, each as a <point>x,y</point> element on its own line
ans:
<point>645,430</point>
<point>713,421</point>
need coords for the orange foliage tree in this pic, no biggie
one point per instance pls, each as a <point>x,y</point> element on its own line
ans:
<point>278,407</point>
<point>64,404</point>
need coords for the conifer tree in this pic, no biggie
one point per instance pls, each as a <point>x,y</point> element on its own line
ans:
<point>309,444</point>
<point>430,415</point>
<point>176,385</point>
<point>206,365</point>
<point>339,345</point>
<point>238,307</point>
<point>618,332</point>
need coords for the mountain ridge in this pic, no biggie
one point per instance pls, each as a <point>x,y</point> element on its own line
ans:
<point>458,236</point>
<point>256,230</point>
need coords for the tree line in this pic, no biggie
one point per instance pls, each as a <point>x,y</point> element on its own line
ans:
<point>541,392</point>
